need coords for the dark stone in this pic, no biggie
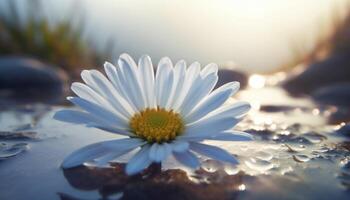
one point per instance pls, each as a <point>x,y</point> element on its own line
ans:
<point>277,108</point>
<point>334,69</point>
<point>337,94</point>
<point>345,130</point>
<point>29,80</point>
<point>229,75</point>
<point>342,114</point>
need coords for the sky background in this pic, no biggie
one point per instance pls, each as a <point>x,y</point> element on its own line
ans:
<point>259,35</point>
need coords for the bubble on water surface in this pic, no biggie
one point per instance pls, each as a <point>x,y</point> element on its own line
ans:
<point>315,137</point>
<point>301,158</point>
<point>264,155</point>
<point>231,169</point>
<point>259,165</point>
<point>10,150</point>
<point>211,165</point>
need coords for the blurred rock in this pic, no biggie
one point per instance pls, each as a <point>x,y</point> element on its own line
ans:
<point>276,108</point>
<point>342,114</point>
<point>334,69</point>
<point>229,75</point>
<point>29,80</point>
<point>344,130</point>
<point>336,94</point>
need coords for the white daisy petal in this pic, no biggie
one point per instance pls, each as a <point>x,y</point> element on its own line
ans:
<point>213,152</point>
<point>124,144</point>
<point>147,79</point>
<point>111,129</point>
<point>114,77</point>
<point>179,79</point>
<point>211,102</point>
<point>131,81</point>
<point>78,117</point>
<point>104,160</point>
<point>208,127</point>
<point>86,76</point>
<point>210,68</point>
<point>117,101</point>
<point>153,151</point>
<point>179,146</point>
<point>139,161</point>
<point>99,149</point>
<point>85,92</point>
<point>112,74</point>
<point>238,110</point>
<point>232,136</point>
<point>84,154</point>
<point>164,81</point>
<point>159,152</point>
<point>191,75</point>
<point>100,112</point>
<point>101,85</point>
<point>187,158</point>
<point>73,116</point>
<point>119,150</point>
<point>200,88</point>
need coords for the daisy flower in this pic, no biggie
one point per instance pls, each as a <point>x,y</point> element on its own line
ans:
<point>170,112</point>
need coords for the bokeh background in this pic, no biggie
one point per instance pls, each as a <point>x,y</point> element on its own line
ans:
<point>303,46</point>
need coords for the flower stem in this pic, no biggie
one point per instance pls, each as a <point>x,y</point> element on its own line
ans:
<point>155,168</point>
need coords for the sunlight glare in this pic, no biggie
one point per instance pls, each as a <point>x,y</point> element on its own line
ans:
<point>257,81</point>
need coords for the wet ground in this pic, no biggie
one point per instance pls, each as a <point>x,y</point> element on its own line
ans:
<point>298,153</point>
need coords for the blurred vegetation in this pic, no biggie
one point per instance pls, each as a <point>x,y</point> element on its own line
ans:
<point>333,36</point>
<point>28,32</point>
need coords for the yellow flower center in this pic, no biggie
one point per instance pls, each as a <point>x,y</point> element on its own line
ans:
<point>157,125</point>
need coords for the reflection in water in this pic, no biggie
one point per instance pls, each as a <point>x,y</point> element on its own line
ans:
<point>154,184</point>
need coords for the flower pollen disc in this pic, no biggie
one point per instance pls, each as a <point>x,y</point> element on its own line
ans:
<point>157,125</point>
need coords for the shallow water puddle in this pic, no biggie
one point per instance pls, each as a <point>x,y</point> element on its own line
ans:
<point>295,155</point>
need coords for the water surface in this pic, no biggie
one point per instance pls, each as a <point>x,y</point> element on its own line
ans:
<point>296,154</point>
